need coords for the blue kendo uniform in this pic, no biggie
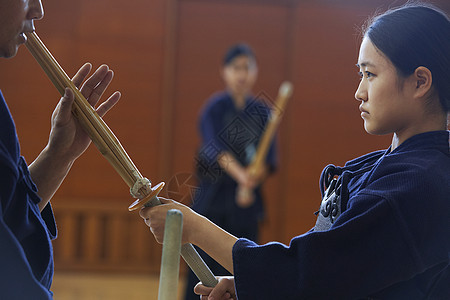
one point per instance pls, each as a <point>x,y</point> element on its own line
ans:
<point>26,256</point>
<point>391,240</point>
<point>224,127</point>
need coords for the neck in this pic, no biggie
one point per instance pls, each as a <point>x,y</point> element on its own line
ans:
<point>434,123</point>
<point>239,101</point>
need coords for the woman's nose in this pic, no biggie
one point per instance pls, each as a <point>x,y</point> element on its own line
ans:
<point>361,92</point>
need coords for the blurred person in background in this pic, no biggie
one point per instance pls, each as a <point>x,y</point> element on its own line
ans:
<point>231,125</point>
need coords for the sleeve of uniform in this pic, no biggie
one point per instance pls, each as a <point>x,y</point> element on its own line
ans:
<point>352,260</point>
<point>49,219</point>
<point>17,279</point>
<point>272,156</point>
<point>20,283</point>
<point>47,212</point>
<point>209,126</point>
<point>395,229</point>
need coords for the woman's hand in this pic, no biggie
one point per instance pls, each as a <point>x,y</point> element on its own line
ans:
<point>224,290</point>
<point>155,218</point>
<point>197,230</point>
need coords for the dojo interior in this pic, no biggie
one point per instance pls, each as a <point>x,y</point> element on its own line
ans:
<point>166,56</point>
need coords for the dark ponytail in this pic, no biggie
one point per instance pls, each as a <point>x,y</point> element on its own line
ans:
<point>416,35</point>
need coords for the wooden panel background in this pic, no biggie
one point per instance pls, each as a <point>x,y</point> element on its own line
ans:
<point>166,55</point>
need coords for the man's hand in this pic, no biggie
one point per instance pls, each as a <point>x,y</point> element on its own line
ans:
<point>67,139</point>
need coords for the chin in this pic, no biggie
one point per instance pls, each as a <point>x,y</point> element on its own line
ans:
<point>11,55</point>
<point>376,131</point>
<point>370,130</point>
<point>9,52</point>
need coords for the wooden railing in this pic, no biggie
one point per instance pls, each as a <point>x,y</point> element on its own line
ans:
<point>101,235</point>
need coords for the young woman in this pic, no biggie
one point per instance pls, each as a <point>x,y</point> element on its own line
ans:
<point>384,224</point>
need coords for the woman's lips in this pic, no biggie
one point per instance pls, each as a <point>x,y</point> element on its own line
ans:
<point>364,113</point>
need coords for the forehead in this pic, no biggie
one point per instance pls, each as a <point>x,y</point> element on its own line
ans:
<point>241,60</point>
<point>370,56</point>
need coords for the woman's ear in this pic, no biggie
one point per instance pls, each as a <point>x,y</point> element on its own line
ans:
<point>423,80</point>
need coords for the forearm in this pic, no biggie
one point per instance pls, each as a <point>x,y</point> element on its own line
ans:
<point>215,241</point>
<point>232,167</point>
<point>262,174</point>
<point>197,230</point>
<point>240,173</point>
<point>48,171</point>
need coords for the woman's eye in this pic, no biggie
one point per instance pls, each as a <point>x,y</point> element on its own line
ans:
<point>366,74</point>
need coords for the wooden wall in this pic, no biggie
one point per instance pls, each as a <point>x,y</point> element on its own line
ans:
<point>166,56</point>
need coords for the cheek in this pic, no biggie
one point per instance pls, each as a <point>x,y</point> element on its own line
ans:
<point>252,77</point>
<point>381,95</point>
<point>379,108</point>
<point>11,21</point>
<point>230,76</point>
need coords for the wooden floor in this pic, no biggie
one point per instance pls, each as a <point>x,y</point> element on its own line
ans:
<point>88,286</point>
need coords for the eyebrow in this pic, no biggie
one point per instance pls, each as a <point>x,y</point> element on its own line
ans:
<point>365,64</point>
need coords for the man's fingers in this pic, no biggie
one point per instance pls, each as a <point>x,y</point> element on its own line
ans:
<point>108,104</point>
<point>65,106</point>
<point>96,85</point>
<point>81,74</point>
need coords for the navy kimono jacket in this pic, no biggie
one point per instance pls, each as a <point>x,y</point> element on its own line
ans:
<point>223,127</point>
<point>391,242</point>
<point>26,257</point>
